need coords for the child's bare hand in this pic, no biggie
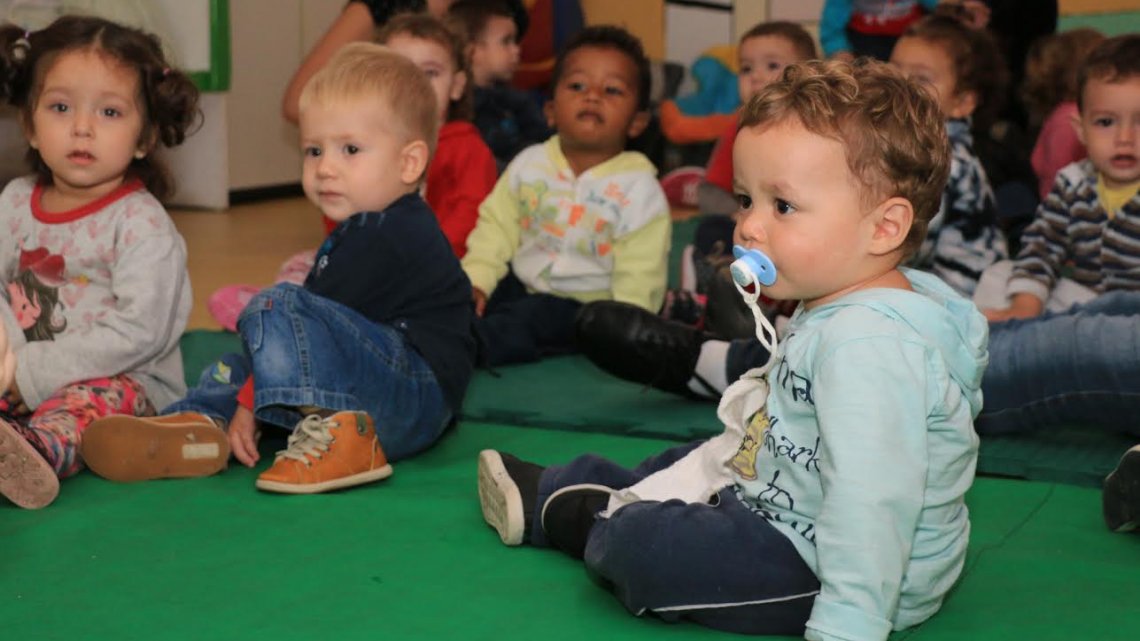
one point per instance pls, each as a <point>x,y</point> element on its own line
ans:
<point>1022,306</point>
<point>480,299</point>
<point>244,435</point>
<point>7,361</point>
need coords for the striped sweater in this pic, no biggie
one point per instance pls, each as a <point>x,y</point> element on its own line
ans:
<point>1073,230</point>
<point>963,238</point>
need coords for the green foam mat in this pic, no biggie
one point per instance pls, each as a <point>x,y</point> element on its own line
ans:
<point>570,394</point>
<point>411,559</point>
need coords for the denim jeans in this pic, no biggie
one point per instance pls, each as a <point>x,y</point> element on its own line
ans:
<point>1078,366</point>
<point>304,350</point>
<point>722,566</point>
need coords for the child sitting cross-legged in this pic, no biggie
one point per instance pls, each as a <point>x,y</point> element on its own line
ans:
<point>832,505</point>
<point>367,363</point>
<point>576,218</point>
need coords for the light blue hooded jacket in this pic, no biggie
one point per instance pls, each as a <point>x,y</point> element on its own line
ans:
<point>869,449</point>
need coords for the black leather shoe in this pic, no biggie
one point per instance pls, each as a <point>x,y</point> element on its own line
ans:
<point>727,316</point>
<point>635,345</point>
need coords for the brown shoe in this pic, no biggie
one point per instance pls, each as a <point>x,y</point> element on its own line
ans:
<point>26,478</point>
<point>326,454</point>
<point>133,448</point>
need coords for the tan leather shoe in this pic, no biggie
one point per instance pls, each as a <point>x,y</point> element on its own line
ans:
<point>26,478</point>
<point>135,448</point>
<point>326,454</point>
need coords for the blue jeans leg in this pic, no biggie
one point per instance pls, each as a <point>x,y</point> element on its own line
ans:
<point>215,395</point>
<point>1081,366</point>
<point>309,351</point>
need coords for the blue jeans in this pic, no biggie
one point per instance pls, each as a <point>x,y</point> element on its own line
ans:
<point>1079,366</point>
<point>722,566</point>
<point>304,350</point>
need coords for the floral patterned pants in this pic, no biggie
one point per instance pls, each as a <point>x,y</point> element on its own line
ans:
<point>55,427</point>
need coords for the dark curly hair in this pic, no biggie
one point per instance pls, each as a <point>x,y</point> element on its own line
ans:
<point>610,37</point>
<point>168,98</point>
<point>978,63</point>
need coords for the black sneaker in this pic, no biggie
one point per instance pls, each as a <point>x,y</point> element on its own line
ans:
<point>635,345</point>
<point>1121,497</point>
<point>508,488</point>
<point>569,513</point>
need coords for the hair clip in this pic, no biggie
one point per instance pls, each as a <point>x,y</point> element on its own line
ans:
<point>22,46</point>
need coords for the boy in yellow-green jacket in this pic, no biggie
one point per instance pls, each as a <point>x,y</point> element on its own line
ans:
<point>574,219</point>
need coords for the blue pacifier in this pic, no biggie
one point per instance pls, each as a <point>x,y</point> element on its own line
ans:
<point>750,270</point>
<point>750,267</point>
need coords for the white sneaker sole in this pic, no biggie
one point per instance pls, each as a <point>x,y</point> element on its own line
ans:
<point>370,476</point>
<point>500,499</point>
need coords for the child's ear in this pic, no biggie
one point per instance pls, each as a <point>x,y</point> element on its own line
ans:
<point>458,84</point>
<point>413,162</point>
<point>638,124</point>
<point>1075,121</point>
<point>963,104</point>
<point>29,131</point>
<point>893,219</point>
<point>146,144</point>
<point>548,111</point>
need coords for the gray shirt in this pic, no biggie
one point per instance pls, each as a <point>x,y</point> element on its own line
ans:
<point>95,292</point>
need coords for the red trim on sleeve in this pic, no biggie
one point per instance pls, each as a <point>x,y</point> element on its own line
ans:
<point>245,394</point>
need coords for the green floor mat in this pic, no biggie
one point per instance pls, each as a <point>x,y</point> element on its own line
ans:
<point>570,393</point>
<point>411,559</point>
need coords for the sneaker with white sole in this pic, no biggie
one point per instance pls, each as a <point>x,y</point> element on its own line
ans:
<point>508,489</point>
<point>325,454</point>
<point>569,515</point>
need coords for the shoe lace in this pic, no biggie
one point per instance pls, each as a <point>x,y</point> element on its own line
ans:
<point>310,438</point>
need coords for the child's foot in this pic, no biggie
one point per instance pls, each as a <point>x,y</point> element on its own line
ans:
<point>569,513</point>
<point>325,454</point>
<point>508,488</point>
<point>227,303</point>
<point>26,478</point>
<point>133,448</point>
<point>635,345</point>
<point>1121,497</point>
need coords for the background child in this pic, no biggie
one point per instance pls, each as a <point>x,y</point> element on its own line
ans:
<point>961,67</point>
<point>1050,93</point>
<point>1081,365</point>
<point>842,509</point>
<point>850,28</point>
<point>574,219</point>
<point>508,119</point>
<point>462,171</point>
<point>763,52</point>
<point>956,65</point>
<point>96,293</point>
<point>368,362</point>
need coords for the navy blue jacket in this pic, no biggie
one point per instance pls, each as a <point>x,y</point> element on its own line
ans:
<point>396,267</point>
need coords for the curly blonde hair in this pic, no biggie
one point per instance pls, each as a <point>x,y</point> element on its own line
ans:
<point>892,131</point>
